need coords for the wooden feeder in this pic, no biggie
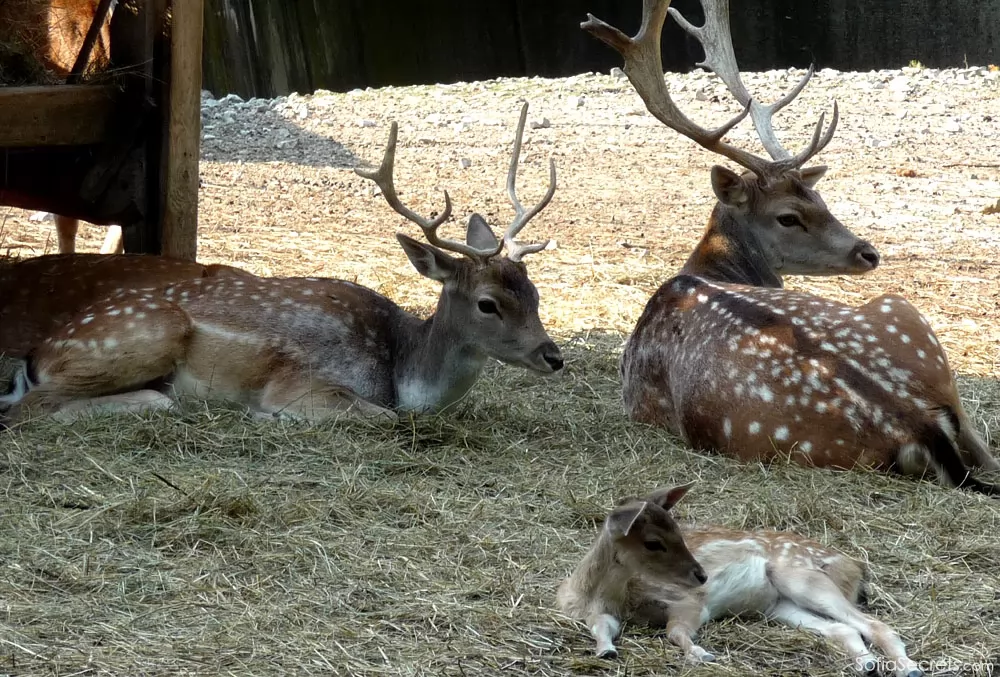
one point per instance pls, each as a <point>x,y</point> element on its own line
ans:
<point>125,149</point>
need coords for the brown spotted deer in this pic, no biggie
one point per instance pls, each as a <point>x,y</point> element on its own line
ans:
<point>726,358</point>
<point>122,332</point>
<point>644,568</point>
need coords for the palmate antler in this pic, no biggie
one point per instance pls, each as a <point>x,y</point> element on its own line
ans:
<point>644,69</point>
<point>515,250</point>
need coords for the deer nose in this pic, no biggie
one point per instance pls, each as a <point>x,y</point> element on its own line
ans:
<point>867,255</point>
<point>552,356</point>
<point>700,575</point>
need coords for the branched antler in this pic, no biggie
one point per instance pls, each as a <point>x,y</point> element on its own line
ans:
<point>515,250</point>
<point>383,178</point>
<point>715,37</point>
<point>644,69</point>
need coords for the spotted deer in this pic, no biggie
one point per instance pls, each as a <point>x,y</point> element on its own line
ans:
<point>133,332</point>
<point>646,569</point>
<point>732,362</point>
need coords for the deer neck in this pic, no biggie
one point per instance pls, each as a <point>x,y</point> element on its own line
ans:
<point>600,576</point>
<point>437,364</point>
<point>730,252</point>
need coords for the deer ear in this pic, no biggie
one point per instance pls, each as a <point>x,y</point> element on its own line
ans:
<point>729,187</point>
<point>429,261</point>
<point>478,233</point>
<point>667,498</point>
<point>621,520</point>
<point>812,175</point>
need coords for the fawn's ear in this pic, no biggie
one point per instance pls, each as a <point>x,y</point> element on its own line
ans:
<point>429,261</point>
<point>667,498</point>
<point>478,234</point>
<point>623,520</point>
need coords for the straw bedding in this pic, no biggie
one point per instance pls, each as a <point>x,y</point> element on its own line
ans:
<point>209,543</point>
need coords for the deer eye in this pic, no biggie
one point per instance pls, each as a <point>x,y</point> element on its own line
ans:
<point>655,546</point>
<point>790,221</point>
<point>488,307</point>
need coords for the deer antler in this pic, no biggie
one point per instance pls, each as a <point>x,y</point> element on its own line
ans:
<point>515,250</point>
<point>715,38</point>
<point>383,178</point>
<point>644,69</point>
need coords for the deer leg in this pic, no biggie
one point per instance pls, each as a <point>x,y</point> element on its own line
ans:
<point>793,615</point>
<point>970,441</point>
<point>113,241</point>
<point>66,229</point>
<point>605,629</point>
<point>292,395</point>
<point>685,619</point>
<point>112,349</point>
<point>137,401</point>
<point>814,591</point>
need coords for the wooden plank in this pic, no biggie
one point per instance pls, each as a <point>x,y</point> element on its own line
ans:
<point>183,133</point>
<point>56,115</point>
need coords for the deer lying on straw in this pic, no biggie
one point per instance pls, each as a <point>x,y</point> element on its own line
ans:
<point>644,568</point>
<point>131,332</point>
<point>732,362</point>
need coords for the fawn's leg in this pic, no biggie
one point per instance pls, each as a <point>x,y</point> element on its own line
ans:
<point>791,614</point>
<point>605,628</point>
<point>683,624</point>
<point>813,590</point>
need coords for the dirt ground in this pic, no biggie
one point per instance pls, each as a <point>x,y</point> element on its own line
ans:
<point>212,544</point>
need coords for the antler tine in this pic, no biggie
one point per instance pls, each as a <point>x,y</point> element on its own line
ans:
<point>383,179</point>
<point>644,69</point>
<point>715,37</point>
<point>515,250</point>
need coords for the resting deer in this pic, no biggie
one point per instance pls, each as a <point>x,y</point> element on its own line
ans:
<point>726,358</point>
<point>98,331</point>
<point>644,568</point>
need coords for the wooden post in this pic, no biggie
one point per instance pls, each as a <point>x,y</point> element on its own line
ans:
<point>183,132</point>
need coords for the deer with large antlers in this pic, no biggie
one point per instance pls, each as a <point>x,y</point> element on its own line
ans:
<point>645,568</point>
<point>729,360</point>
<point>133,332</point>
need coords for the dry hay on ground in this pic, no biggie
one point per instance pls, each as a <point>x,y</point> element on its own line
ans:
<point>40,40</point>
<point>208,543</point>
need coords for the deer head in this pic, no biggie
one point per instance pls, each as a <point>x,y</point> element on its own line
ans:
<point>649,543</point>
<point>772,210</point>
<point>487,297</point>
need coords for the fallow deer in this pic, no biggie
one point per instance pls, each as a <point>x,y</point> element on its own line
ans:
<point>97,331</point>
<point>646,569</point>
<point>726,358</point>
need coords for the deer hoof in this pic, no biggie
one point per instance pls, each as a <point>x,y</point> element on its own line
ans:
<point>708,658</point>
<point>608,653</point>
<point>869,666</point>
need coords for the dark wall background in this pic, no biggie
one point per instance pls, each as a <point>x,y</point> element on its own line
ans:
<point>273,47</point>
